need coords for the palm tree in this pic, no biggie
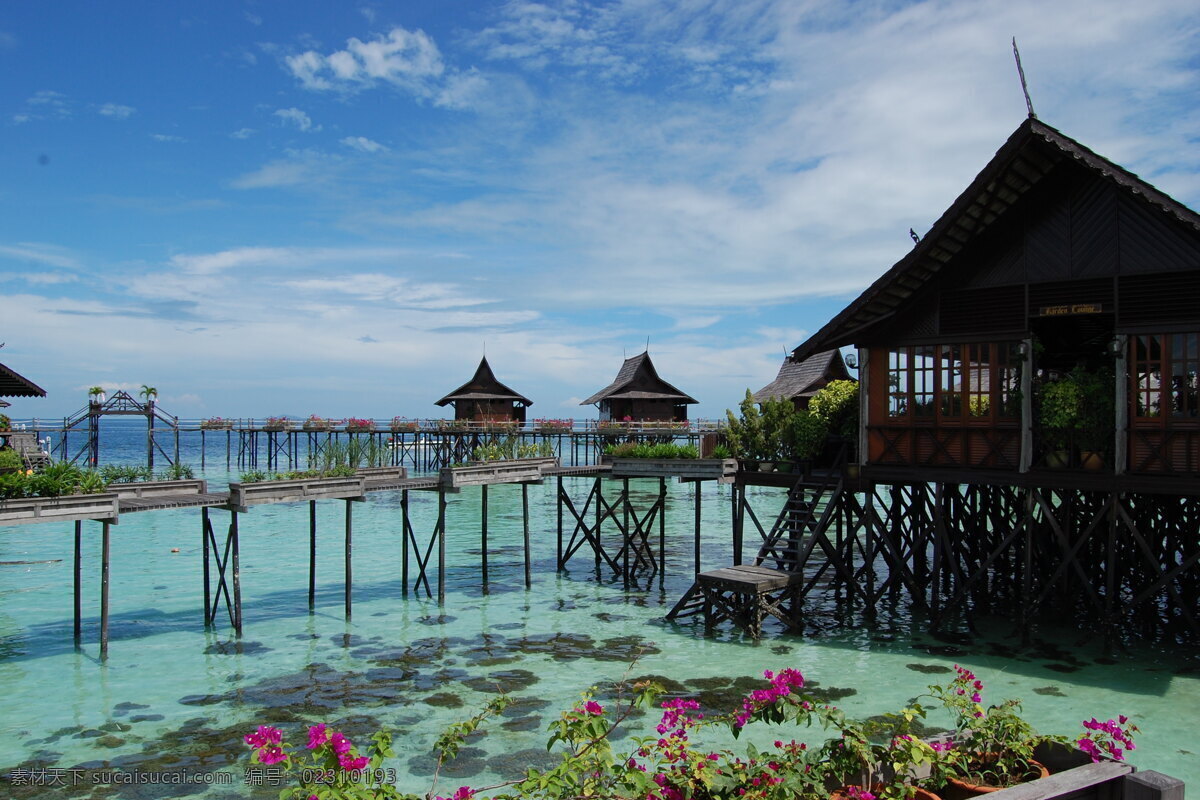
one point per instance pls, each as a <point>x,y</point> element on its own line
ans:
<point>148,392</point>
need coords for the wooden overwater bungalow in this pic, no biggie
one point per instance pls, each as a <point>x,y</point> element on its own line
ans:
<point>485,399</point>
<point>1030,428</point>
<point>638,394</point>
<point>13,384</point>
<point>799,380</point>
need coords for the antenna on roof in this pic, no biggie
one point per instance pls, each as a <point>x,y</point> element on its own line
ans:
<point>1024,86</point>
<point>647,344</point>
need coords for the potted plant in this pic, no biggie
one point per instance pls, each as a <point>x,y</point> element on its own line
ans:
<point>5,423</point>
<point>1059,414</point>
<point>216,424</point>
<point>316,423</point>
<point>96,395</point>
<point>745,434</point>
<point>403,425</point>
<point>1096,416</point>
<point>274,424</point>
<point>148,393</point>
<point>358,425</point>
<point>805,435</point>
<point>993,747</point>
<point>837,404</point>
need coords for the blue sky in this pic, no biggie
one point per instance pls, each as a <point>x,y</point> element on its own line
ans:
<point>333,208</point>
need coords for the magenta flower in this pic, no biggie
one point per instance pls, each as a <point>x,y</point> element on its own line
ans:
<point>593,708</point>
<point>463,793</point>
<point>271,754</point>
<point>317,736</point>
<point>348,762</point>
<point>340,743</point>
<point>264,736</point>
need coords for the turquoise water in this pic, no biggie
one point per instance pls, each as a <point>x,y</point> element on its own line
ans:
<point>173,697</point>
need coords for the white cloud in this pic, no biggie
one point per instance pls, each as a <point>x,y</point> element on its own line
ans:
<point>296,117</point>
<point>117,111</point>
<point>242,133</point>
<point>363,144</point>
<point>276,173</point>
<point>407,60</point>
<point>166,137</point>
<point>50,255</point>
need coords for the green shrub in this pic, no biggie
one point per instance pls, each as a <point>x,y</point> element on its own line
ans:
<point>11,459</point>
<point>5,422</point>
<point>720,451</point>
<point>177,472</point>
<point>837,404</point>
<point>806,435</point>
<point>54,480</point>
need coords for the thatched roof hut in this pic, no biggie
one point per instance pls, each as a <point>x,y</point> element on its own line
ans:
<point>798,381</point>
<point>639,394</point>
<point>483,398</point>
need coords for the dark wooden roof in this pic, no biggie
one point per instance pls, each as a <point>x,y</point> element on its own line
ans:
<point>15,385</point>
<point>638,380</point>
<point>1030,153</point>
<point>804,378</point>
<point>483,386</point>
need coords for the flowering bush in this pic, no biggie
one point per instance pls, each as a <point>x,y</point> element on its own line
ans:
<point>357,424</point>
<point>877,759</point>
<point>216,424</point>
<point>403,424</point>
<point>319,423</point>
<point>277,424</point>
<point>554,425</point>
<point>1110,739</point>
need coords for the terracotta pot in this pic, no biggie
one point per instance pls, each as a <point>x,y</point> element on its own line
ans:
<point>961,789</point>
<point>1091,460</point>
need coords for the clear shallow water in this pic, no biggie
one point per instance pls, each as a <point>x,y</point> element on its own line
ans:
<point>174,697</point>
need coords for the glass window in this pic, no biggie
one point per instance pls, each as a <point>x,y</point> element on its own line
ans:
<point>898,399</point>
<point>1147,371</point>
<point>1184,359</point>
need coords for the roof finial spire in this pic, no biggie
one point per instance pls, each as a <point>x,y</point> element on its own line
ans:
<point>647,344</point>
<point>1024,86</point>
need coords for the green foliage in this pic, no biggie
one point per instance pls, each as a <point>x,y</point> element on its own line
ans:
<point>253,476</point>
<point>659,450</point>
<point>512,447</point>
<point>1078,407</point>
<point>805,436</point>
<point>837,404</point>
<point>720,451</point>
<point>125,473</point>
<point>59,479</point>
<point>177,472</point>
<point>11,459</point>
<point>355,453</point>
<point>5,422</point>
<point>744,432</point>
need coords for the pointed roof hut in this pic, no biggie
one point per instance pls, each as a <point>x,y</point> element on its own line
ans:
<point>484,398</point>
<point>798,381</point>
<point>638,393</point>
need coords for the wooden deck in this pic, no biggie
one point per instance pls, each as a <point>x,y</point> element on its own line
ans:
<point>745,595</point>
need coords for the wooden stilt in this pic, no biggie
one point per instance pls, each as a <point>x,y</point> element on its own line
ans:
<point>349,570</point>
<point>312,554</point>
<point>559,562</point>
<point>696,532</point>
<point>104,553</point>
<point>662,528</point>
<point>625,533</point>
<point>237,574</point>
<point>78,584</point>
<point>205,535</point>
<point>404,527</point>
<point>441,537</point>
<point>525,533</point>
<point>484,535</point>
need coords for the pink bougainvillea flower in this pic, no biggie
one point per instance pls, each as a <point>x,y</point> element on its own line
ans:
<point>271,754</point>
<point>593,708</point>
<point>265,735</point>
<point>347,762</point>
<point>317,736</point>
<point>340,743</point>
<point>464,793</point>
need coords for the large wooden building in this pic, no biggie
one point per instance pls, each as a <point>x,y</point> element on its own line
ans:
<point>638,394</point>
<point>485,399</point>
<point>1030,432</point>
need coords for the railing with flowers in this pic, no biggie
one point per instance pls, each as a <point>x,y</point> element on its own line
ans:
<point>404,425</point>
<point>216,424</point>
<point>277,424</point>
<point>553,425</point>
<point>359,425</point>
